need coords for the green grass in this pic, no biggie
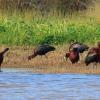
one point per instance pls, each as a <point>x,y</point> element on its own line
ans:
<point>55,30</point>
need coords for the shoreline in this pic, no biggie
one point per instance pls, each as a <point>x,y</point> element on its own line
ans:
<point>56,70</point>
<point>16,57</point>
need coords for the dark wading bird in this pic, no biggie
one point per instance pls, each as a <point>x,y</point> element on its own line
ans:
<point>2,56</point>
<point>92,59</point>
<point>80,46</point>
<point>93,56</point>
<point>41,50</point>
<point>73,55</point>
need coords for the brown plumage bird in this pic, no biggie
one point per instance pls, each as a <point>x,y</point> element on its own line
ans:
<point>41,50</point>
<point>93,55</point>
<point>73,55</point>
<point>2,56</point>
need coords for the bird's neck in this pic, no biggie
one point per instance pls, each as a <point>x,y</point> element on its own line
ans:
<point>32,56</point>
<point>3,52</point>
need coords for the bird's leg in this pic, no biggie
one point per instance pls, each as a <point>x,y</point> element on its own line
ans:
<point>46,56</point>
<point>94,65</point>
<point>0,69</point>
<point>81,57</point>
<point>41,56</point>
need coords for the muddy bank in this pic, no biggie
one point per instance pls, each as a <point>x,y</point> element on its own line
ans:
<point>53,63</point>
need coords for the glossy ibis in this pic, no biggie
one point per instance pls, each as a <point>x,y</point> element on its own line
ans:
<point>93,55</point>
<point>73,55</point>
<point>41,50</point>
<point>2,56</point>
<point>80,46</point>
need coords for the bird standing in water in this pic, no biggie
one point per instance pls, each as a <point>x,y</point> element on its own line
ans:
<point>41,50</point>
<point>2,56</point>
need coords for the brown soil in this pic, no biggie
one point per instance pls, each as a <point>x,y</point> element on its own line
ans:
<point>53,63</point>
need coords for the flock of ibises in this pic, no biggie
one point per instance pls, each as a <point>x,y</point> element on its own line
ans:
<point>75,50</point>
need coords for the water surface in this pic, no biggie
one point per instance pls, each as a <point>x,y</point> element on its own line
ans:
<point>23,85</point>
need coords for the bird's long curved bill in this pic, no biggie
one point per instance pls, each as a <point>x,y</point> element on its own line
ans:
<point>65,58</point>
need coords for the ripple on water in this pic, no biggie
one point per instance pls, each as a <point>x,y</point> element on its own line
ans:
<point>25,85</point>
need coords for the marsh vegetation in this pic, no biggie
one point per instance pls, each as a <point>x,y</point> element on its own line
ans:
<point>32,22</point>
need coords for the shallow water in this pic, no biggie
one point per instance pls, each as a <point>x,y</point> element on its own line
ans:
<point>23,85</point>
